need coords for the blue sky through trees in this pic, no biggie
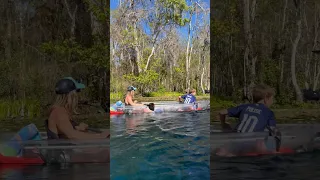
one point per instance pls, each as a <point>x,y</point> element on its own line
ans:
<point>183,31</point>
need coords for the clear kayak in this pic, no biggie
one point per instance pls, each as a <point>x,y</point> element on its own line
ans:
<point>295,138</point>
<point>161,108</point>
<point>39,152</point>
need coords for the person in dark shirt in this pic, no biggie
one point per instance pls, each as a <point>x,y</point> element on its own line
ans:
<point>189,98</point>
<point>253,117</point>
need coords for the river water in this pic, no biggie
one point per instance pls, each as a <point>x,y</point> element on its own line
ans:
<point>160,146</point>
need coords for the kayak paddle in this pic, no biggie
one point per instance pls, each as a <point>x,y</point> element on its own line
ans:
<point>150,106</point>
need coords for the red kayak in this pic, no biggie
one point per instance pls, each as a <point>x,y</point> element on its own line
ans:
<point>116,112</point>
<point>20,160</point>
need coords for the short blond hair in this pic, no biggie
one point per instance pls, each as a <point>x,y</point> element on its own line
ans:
<point>260,91</point>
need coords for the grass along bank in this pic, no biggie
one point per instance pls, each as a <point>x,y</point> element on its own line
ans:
<point>218,103</point>
<point>16,114</point>
<point>155,96</point>
<point>284,113</point>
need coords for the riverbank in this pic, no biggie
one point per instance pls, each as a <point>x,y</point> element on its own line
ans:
<point>291,115</point>
<point>294,112</point>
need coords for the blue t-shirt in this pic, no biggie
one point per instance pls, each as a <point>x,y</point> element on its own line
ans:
<point>189,98</point>
<point>252,117</point>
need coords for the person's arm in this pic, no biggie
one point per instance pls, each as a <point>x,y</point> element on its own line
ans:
<point>272,122</point>
<point>66,128</point>
<point>133,103</point>
<point>222,116</point>
<point>81,127</point>
<point>231,112</point>
<point>182,97</point>
<point>273,130</point>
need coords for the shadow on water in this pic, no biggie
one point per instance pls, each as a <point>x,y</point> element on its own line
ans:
<point>160,146</point>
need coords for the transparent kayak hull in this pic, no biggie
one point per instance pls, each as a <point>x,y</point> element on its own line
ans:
<point>159,108</point>
<point>61,151</point>
<point>295,138</point>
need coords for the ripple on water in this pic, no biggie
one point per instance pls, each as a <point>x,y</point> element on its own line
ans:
<point>160,146</point>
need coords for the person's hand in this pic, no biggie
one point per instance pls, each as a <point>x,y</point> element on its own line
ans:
<point>135,101</point>
<point>82,127</point>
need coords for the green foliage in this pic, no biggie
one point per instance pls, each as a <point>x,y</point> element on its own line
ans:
<point>100,11</point>
<point>146,80</point>
<point>133,46</point>
<point>173,11</point>
<point>31,64</point>
<point>68,50</point>
<point>117,96</point>
<point>164,94</point>
<point>14,108</point>
<point>216,103</point>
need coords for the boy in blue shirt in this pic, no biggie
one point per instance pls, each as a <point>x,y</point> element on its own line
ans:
<point>255,117</point>
<point>189,98</point>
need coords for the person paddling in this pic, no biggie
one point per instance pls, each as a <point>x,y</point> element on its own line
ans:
<point>60,123</point>
<point>255,117</point>
<point>128,100</point>
<point>188,98</point>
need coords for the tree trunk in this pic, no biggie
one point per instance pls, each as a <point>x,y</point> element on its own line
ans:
<point>149,57</point>
<point>281,34</point>
<point>83,32</point>
<point>246,23</point>
<point>72,16</point>
<point>187,55</point>
<point>8,38</point>
<point>249,17</point>
<point>293,62</point>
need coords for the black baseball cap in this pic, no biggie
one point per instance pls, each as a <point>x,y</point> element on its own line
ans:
<point>68,84</point>
<point>131,88</point>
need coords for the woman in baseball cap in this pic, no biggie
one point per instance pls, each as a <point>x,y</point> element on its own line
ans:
<point>128,100</point>
<point>60,123</point>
